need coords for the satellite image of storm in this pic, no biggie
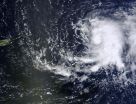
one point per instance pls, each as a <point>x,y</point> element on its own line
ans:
<point>67,51</point>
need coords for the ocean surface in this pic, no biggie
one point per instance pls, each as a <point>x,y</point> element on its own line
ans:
<point>68,52</point>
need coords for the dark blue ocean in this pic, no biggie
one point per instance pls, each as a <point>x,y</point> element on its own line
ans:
<point>35,25</point>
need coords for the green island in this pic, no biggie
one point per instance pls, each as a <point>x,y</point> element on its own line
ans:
<point>5,42</point>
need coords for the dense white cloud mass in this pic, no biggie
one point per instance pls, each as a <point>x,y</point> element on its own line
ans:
<point>107,39</point>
